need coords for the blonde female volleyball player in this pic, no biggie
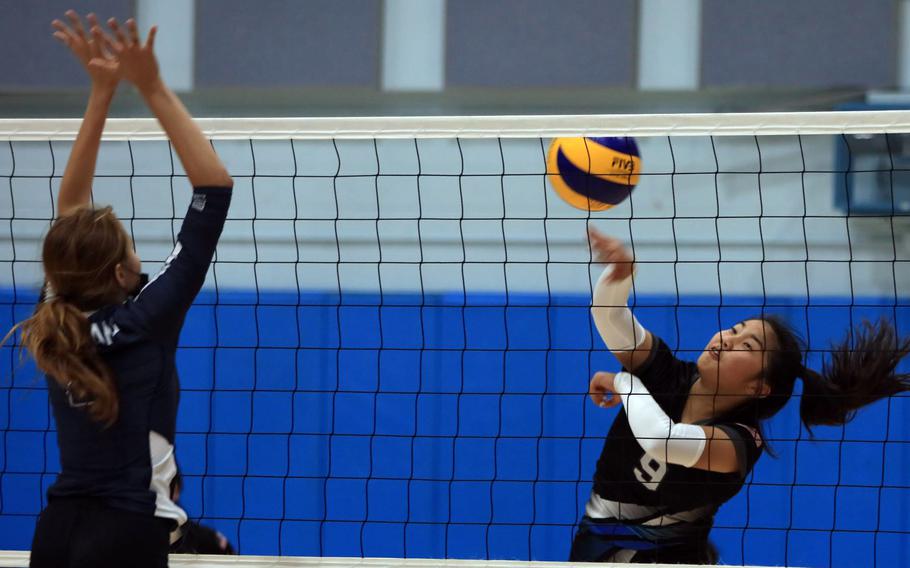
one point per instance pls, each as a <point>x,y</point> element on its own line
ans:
<point>106,339</point>
<point>689,433</point>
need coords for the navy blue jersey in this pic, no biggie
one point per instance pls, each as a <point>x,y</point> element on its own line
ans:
<point>130,464</point>
<point>627,475</point>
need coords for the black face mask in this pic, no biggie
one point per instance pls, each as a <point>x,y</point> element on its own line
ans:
<point>143,281</point>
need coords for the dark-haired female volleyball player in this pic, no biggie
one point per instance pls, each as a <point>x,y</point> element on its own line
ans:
<point>106,339</point>
<point>689,433</point>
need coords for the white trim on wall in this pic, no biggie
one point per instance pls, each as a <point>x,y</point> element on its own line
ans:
<point>413,45</point>
<point>669,44</point>
<point>176,21</point>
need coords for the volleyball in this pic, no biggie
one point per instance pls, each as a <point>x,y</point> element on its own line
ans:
<point>593,173</point>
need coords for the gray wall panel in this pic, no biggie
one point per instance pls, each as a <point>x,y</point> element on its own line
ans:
<point>804,43</point>
<point>32,58</point>
<point>287,43</point>
<point>505,43</point>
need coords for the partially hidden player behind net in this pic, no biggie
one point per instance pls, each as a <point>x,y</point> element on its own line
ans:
<point>689,433</point>
<point>192,537</point>
<point>106,339</point>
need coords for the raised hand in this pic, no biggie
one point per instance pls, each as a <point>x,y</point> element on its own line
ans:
<point>101,66</point>
<point>607,250</point>
<point>137,61</point>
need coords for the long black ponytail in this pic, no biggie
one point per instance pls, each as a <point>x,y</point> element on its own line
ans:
<point>860,371</point>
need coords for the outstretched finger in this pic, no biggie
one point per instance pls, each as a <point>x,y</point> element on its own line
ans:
<point>94,47</point>
<point>108,43</point>
<point>64,38</point>
<point>594,233</point>
<point>101,44</point>
<point>76,24</point>
<point>596,244</point>
<point>63,29</point>
<point>92,20</point>
<point>118,32</point>
<point>603,252</point>
<point>133,31</point>
<point>113,45</point>
<point>150,41</point>
<point>607,245</point>
<point>99,32</point>
<point>608,248</point>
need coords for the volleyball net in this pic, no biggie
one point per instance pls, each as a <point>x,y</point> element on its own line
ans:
<point>391,354</point>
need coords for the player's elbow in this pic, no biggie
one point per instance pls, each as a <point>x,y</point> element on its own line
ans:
<point>684,445</point>
<point>214,180</point>
<point>659,450</point>
<point>606,320</point>
<point>222,179</point>
<point>656,449</point>
<point>599,319</point>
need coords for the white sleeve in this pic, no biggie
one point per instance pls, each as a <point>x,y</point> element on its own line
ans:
<point>617,326</point>
<point>662,439</point>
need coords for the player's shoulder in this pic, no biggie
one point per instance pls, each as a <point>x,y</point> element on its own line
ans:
<point>751,433</point>
<point>117,324</point>
<point>663,366</point>
<point>746,436</point>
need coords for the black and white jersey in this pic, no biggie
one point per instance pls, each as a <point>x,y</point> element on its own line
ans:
<point>648,488</point>
<point>130,464</point>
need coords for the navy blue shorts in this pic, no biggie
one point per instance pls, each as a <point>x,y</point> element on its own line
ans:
<point>84,532</point>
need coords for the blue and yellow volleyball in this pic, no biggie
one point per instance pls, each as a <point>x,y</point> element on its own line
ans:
<point>594,173</point>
